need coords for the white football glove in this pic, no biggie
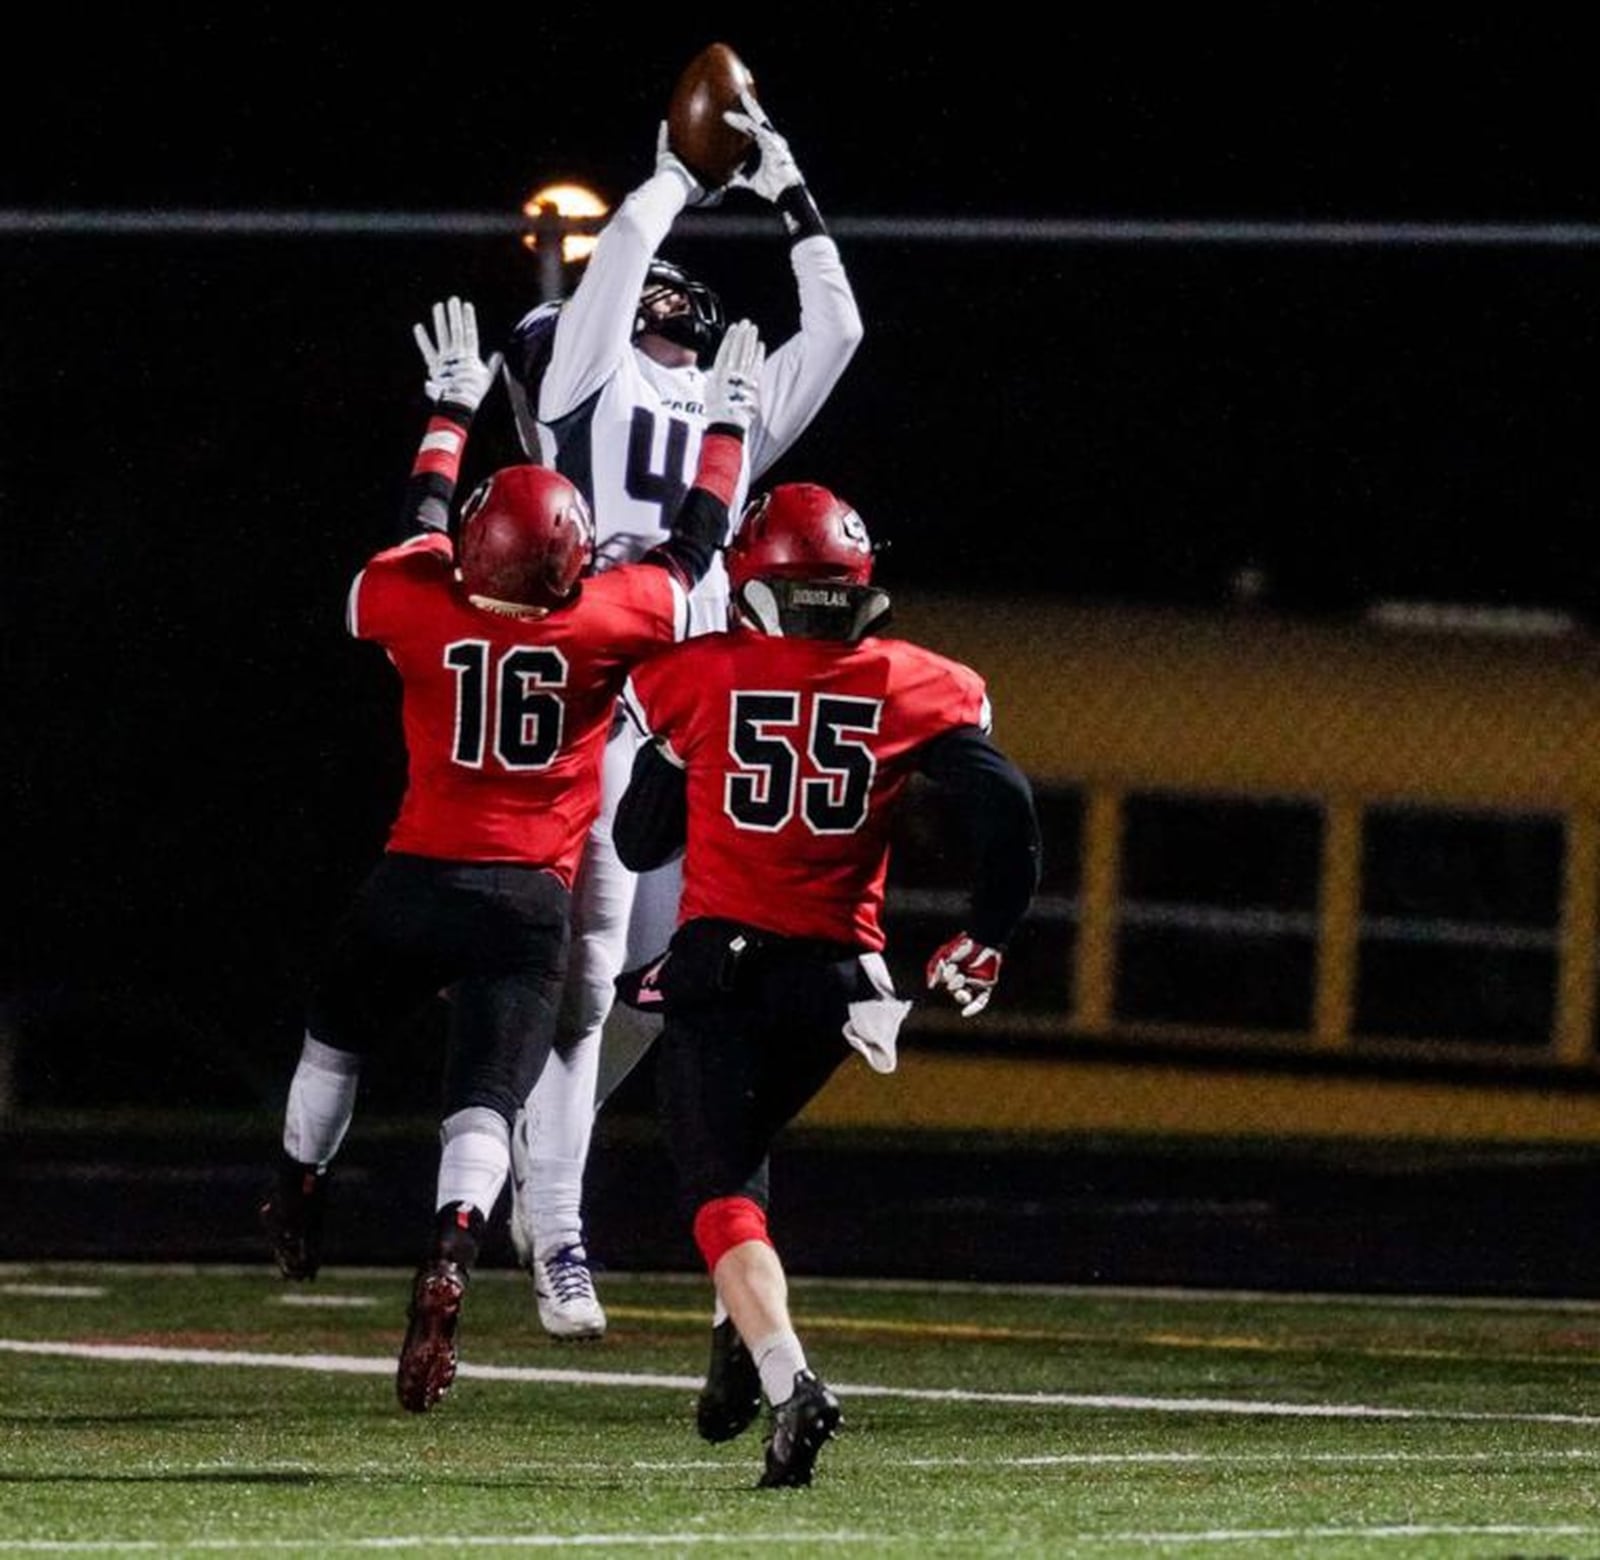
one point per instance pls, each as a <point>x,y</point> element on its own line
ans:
<point>775,170</point>
<point>733,386</point>
<point>968,970</point>
<point>668,161</point>
<point>455,371</point>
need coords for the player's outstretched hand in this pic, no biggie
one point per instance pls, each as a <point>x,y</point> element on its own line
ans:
<point>734,383</point>
<point>455,371</point>
<point>968,970</point>
<point>668,161</point>
<point>774,169</point>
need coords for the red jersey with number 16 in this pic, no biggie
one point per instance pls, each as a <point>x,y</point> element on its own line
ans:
<point>797,751</point>
<point>506,718</point>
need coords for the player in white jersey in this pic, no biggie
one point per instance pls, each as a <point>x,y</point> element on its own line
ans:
<point>607,387</point>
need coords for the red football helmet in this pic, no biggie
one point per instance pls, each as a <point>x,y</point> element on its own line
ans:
<point>800,531</point>
<point>525,539</point>
<point>801,564</point>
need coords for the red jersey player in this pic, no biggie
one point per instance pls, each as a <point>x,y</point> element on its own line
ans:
<point>510,654</point>
<point>778,753</point>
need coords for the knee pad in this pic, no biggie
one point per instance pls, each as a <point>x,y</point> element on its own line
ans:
<point>726,1222</point>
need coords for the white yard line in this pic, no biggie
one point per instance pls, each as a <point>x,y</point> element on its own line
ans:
<point>55,1291</point>
<point>1069,1542</point>
<point>359,1365</point>
<point>432,1541</point>
<point>1312,1535</point>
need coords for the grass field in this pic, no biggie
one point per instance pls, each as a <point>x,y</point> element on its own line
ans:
<point>183,1410</point>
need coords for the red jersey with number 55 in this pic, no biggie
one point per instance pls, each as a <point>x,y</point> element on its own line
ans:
<point>797,752</point>
<point>506,718</point>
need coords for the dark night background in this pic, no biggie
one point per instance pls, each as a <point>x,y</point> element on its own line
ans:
<point>205,436</point>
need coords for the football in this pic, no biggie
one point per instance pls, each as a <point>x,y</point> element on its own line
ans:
<point>710,83</point>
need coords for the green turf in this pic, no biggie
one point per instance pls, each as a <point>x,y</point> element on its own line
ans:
<point>1003,1422</point>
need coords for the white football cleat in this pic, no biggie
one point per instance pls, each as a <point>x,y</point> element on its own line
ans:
<point>564,1289</point>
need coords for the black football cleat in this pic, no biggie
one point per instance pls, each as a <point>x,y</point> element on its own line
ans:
<point>801,1426</point>
<point>731,1397</point>
<point>428,1356</point>
<point>291,1218</point>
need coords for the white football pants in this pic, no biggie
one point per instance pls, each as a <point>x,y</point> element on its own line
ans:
<point>620,920</point>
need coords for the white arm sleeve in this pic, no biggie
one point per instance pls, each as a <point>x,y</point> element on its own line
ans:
<point>595,329</point>
<point>802,372</point>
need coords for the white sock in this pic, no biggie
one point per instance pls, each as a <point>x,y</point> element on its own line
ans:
<point>474,1159</point>
<point>778,1358</point>
<point>555,1204</point>
<point>322,1099</point>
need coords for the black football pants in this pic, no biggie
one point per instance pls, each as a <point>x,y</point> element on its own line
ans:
<point>492,937</point>
<point>751,1036</point>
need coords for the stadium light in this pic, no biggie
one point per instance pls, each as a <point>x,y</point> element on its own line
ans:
<point>550,207</point>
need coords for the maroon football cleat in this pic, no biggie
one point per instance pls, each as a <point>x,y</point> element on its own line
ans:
<point>428,1356</point>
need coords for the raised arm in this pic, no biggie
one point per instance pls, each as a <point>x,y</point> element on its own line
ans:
<point>458,379</point>
<point>800,374</point>
<point>595,327</point>
<point>732,400</point>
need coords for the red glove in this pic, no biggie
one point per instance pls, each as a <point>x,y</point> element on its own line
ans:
<point>968,970</point>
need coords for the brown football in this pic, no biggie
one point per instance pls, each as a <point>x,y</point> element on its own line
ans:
<point>710,83</point>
